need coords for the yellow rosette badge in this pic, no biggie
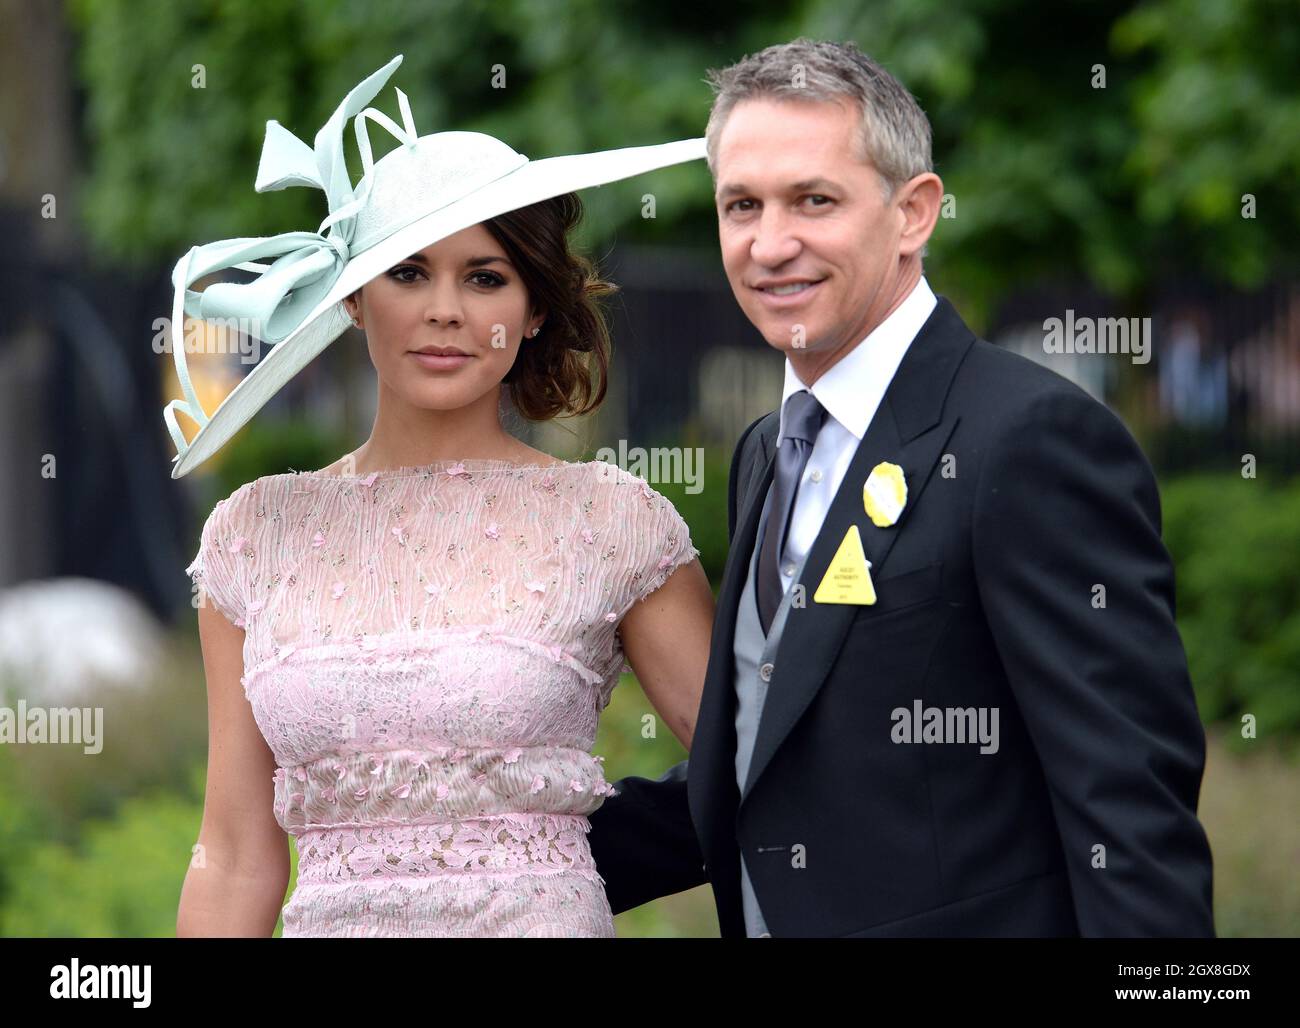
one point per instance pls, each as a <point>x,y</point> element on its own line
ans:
<point>884,494</point>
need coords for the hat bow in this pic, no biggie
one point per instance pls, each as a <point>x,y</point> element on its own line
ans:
<point>304,265</point>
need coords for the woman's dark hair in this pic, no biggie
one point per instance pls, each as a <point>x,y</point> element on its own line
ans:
<point>563,370</point>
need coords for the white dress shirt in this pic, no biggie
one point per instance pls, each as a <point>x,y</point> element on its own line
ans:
<point>851,391</point>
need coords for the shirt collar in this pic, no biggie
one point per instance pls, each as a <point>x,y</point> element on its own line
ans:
<point>852,388</point>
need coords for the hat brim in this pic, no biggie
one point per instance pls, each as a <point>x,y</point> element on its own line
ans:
<point>530,183</point>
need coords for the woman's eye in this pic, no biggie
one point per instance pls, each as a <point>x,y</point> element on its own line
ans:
<point>407,274</point>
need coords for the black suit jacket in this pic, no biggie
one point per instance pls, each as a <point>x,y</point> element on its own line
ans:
<point>1024,495</point>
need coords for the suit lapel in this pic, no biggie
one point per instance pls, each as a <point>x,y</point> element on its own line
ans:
<point>908,429</point>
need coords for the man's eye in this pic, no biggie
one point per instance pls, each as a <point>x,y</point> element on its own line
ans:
<point>818,196</point>
<point>735,205</point>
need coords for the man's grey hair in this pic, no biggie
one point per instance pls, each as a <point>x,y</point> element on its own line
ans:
<point>895,133</point>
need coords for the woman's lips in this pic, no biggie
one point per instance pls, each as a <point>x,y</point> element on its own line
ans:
<point>441,362</point>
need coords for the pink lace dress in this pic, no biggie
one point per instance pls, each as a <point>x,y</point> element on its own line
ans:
<point>427,652</point>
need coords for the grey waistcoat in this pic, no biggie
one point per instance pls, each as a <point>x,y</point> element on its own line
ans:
<point>752,653</point>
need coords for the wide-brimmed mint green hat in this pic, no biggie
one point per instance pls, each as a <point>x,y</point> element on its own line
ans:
<point>426,189</point>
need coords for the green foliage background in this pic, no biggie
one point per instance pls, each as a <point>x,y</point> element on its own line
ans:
<point>1236,547</point>
<point>1053,177</point>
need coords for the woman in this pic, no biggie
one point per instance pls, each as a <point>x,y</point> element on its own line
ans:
<point>407,651</point>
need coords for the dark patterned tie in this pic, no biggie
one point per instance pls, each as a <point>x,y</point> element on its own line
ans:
<point>803,418</point>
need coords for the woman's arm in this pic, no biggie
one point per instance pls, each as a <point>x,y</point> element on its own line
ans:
<point>666,640</point>
<point>238,876</point>
<point>642,837</point>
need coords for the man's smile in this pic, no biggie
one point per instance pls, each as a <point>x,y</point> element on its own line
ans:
<point>781,294</point>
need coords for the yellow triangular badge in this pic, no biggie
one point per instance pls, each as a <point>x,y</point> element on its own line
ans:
<point>848,579</point>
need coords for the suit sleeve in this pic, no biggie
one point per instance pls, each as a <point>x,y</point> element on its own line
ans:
<point>1066,506</point>
<point>642,837</point>
<point>643,841</point>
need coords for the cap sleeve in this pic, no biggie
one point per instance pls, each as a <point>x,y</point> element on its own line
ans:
<point>216,567</point>
<point>642,540</point>
<point>660,543</point>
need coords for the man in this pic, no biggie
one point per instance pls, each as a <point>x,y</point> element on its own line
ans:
<point>946,693</point>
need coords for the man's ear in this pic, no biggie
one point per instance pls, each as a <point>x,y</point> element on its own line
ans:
<point>919,201</point>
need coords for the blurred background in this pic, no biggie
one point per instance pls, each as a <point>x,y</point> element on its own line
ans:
<point>1113,159</point>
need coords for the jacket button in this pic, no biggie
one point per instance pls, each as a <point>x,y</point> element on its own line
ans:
<point>765,672</point>
<point>765,935</point>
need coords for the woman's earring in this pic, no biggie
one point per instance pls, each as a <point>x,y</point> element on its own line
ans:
<point>535,331</point>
